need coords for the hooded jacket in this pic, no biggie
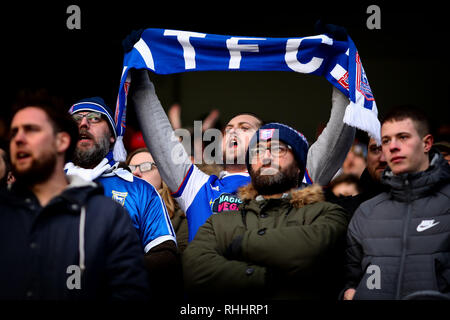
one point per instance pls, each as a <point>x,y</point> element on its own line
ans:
<point>270,248</point>
<point>81,245</point>
<point>398,242</point>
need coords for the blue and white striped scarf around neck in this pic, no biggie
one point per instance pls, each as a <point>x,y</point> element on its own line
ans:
<point>108,167</point>
<point>165,51</point>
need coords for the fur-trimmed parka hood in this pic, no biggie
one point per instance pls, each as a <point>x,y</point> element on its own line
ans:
<point>298,197</point>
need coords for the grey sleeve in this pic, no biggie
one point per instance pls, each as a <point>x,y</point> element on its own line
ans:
<point>169,154</point>
<point>326,155</point>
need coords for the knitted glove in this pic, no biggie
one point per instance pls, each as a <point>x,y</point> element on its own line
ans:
<point>336,32</point>
<point>131,39</point>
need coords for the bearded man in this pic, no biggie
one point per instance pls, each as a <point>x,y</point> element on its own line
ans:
<point>279,243</point>
<point>60,237</point>
<point>93,160</point>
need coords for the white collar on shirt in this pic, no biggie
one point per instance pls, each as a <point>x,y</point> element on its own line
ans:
<point>224,174</point>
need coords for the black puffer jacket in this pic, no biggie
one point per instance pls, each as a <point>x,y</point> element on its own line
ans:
<point>81,245</point>
<point>399,241</point>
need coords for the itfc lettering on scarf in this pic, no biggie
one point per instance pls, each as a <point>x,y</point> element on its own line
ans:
<point>166,51</point>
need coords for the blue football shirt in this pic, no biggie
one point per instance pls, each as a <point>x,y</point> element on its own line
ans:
<point>145,206</point>
<point>201,195</point>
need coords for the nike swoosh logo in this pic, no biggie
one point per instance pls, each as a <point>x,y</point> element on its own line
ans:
<point>426,224</point>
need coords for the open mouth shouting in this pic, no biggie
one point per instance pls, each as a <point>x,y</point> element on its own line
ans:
<point>85,138</point>
<point>233,142</point>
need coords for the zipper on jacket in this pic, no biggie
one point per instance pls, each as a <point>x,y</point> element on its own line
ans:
<point>404,240</point>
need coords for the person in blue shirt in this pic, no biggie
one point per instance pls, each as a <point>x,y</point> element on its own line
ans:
<point>94,161</point>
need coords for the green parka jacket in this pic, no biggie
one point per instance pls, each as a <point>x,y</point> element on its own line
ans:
<point>288,248</point>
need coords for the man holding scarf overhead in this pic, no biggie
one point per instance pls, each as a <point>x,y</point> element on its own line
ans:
<point>171,51</point>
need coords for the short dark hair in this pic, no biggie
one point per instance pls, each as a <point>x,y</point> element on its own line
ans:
<point>418,117</point>
<point>56,112</point>
<point>348,178</point>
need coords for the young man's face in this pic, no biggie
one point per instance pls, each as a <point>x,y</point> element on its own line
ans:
<point>34,145</point>
<point>376,163</point>
<point>273,168</point>
<point>403,148</point>
<point>95,139</point>
<point>238,133</point>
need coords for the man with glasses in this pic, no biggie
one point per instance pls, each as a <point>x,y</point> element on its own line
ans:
<point>93,160</point>
<point>283,241</point>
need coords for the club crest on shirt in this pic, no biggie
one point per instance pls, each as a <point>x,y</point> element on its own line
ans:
<point>226,202</point>
<point>119,197</point>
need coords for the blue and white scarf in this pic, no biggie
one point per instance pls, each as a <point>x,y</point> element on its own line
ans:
<point>165,51</point>
<point>108,167</point>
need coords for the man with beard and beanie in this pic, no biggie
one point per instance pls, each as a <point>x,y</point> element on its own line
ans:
<point>281,243</point>
<point>398,242</point>
<point>60,237</point>
<point>94,160</point>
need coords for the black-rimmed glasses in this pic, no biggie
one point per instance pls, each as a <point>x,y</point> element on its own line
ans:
<point>276,150</point>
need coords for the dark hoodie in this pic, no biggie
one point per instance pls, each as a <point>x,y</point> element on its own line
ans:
<point>81,245</point>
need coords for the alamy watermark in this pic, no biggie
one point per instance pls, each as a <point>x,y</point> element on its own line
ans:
<point>74,279</point>
<point>74,19</point>
<point>374,280</point>
<point>374,20</point>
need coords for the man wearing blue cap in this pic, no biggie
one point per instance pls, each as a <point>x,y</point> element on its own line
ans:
<point>94,160</point>
<point>282,243</point>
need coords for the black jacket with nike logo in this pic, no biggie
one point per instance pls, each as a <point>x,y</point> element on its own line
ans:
<point>398,243</point>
